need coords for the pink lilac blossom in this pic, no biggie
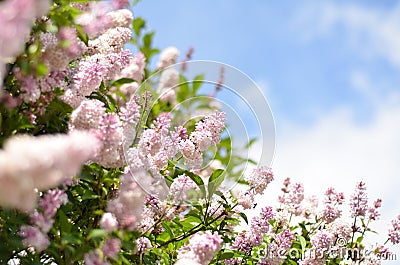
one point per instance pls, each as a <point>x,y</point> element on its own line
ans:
<point>59,50</point>
<point>52,80</point>
<point>108,222</point>
<point>260,178</point>
<point>179,188</point>
<point>16,19</point>
<point>29,88</point>
<point>310,206</point>
<point>143,244</point>
<point>293,198</point>
<point>359,201</point>
<point>41,162</point>
<point>34,237</point>
<point>202,247</point>
<point>135,69</point>
<point>128,205</point>
<point>110,133</point>
<point>111,248</point>
<point>94,258</point>
<point>207,132</point>
<point>87,76</point>
<point>168,57</point>
<point>277,250</point>
<point>332,202</point>
<point>246,199</point>
<point>87,116</point>
<point>95,21</point>
<point>117,4</point>
<point>111,41</point>
<point>394,231</point>
<point>52,201</point>
<point>43,221</point>
<point>373,211</point>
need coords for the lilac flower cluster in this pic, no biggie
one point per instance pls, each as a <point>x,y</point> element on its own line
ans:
<point>332,202</point>
<point>127,206</point>
<point>35,235</point>
<point>61,49</point>
<point>277,250</point>
<point>359,201</point>
<point>42,162</point>
<point>143,244</point>
<point>246,240</point>
<point>258,181</point>
<point>179,188</point>
<point>207,132</point>
<point>16,19</point>
<point>394,231</point>
<point>292,198</point>
<point>113,130</point>
<point>201,249</point>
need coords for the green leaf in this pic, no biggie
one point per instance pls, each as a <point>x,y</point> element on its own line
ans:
<point>89,195</point>
<point>215,181</point>
<point>122,81</point>
<point>197,82</point>
<point>65,225</point>
<point>97,233</point>
<point>226,255</point>
<point>244,216</point>
<point>302,241</point>
<point>138,24</point>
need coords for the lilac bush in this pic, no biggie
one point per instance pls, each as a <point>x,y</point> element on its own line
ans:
<point>99,166</point>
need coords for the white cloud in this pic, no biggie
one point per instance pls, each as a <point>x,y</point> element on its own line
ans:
<point>374,32</point>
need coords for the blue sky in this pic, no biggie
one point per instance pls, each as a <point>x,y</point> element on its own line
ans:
<point>331,74</point>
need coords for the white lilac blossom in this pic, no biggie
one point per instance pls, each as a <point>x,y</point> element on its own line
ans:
<point>16,19</point>
<point>201,248</point>
<point>341,229</point>
<point>42,162</point>
<point>168,57</point>
<point>168,85</point>
<point>120,18</point>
